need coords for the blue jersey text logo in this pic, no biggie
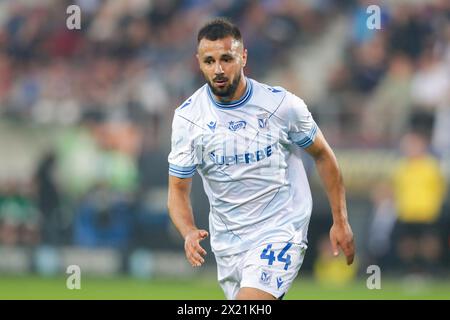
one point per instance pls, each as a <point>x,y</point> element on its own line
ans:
<point>248,157</point>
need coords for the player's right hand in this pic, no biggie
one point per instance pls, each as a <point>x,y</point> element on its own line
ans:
<point>194,252</point>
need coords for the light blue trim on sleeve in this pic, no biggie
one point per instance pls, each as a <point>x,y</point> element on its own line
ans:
<point>309,139</point>
<point>182,169</point>
<point>182,172</point>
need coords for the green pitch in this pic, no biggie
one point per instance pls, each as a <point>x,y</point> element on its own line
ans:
<point>33,287</point>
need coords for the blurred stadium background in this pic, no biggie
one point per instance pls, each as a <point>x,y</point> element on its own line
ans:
<point>85,127</point>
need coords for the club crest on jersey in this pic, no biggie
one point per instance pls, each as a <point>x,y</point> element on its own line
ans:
<point>237,125</point>
<point>263,120</point>
<point>212,125</point>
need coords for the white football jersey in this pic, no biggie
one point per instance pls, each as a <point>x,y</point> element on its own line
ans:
<point>246,156</point>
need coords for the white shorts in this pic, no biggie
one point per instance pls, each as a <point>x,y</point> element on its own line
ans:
<point>271,268</point>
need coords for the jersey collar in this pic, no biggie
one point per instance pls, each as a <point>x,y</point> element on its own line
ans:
<point>233,104</point>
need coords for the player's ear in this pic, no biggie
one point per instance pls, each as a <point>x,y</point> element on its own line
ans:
<point>244,57</point>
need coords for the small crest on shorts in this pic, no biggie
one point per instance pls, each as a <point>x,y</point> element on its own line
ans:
<point>279,282</point>
<point>265,278</point>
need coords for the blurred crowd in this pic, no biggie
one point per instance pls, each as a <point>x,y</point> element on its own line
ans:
<point>112,87</point>
<point>392,80</point>
<point>131,60</point>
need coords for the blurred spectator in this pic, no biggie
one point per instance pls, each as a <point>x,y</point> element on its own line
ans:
<point>6,79</point>
<point>98,153</point>
<point>410,30</point>
<point>381,225</point>
<point>103,219</point>
<point>430,84</point>
<point>150,161</point>
<point>389,109</point>
<point>430,92</point>
<point>419,191</point>
<point>48,199</point>
<point>368,64</point>
<point>19,217</point>
<point>77,153</point>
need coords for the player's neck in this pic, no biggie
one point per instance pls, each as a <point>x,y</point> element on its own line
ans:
<point>238,94</point>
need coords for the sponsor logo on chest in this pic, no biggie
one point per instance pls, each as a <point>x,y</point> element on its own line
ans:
<point>237,125</point>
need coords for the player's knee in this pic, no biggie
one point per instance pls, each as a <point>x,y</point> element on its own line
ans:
<point>253,294</point>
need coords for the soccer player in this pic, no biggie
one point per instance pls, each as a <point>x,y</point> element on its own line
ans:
<point>243,138</point>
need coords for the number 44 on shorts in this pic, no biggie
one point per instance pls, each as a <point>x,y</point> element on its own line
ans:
<point>269,254</point>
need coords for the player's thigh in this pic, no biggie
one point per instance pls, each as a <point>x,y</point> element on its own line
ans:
<point>272,268</point>
<point>229,275</point>
<point>246,293</point>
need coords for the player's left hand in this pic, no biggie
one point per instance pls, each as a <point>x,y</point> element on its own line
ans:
<point>341,236</point>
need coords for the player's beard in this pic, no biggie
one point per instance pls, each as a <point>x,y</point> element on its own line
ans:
<point>227,91</point>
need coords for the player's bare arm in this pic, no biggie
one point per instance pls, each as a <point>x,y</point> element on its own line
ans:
<point>180,211</point>
<point>341,235</point>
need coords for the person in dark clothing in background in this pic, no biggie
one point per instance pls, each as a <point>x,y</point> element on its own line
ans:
<point>48,199</point>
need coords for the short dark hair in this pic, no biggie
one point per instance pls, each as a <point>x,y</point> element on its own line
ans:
<point>219,28</point>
